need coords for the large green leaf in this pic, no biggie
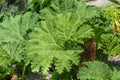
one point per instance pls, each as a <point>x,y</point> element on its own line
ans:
<point>10,53</point>
<point>94,71</point>
<point>110,44</point>
<point>97,71</point>
<point>116,75</point>
<point>13,28</point>
<point>14,51</point>
<point>56,40</point>
<point>4,62</point>
<point>50,42</point>
<point>78,8</point>
<point>13,32</point>
<point>43,48</point>
<point>9,29</point>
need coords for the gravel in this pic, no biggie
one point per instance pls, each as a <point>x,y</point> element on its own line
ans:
<point>98,2</point>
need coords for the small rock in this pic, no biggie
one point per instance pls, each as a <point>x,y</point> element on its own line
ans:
<point>14,77</point>
<point>98,2</point>
<point>114,58</point>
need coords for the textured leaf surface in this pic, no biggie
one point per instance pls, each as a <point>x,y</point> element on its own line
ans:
<point>94,71</point>
<point>116,75</point>
<point>44,47</point>
<point>97,71</point>
<point>13,32</point>
<point>110,44</point>
<point>14,28</point>
<point>56,40</point>
<point>9,29</point>
<point>3,58</point>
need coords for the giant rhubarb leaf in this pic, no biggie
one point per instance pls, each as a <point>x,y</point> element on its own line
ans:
<point>110,44</point>
<point>94,71</point>
<point>61,30</point>
<point>52,43</point>
<point>55,42</point>
<point>14,28</point>
<point>12,36</point>
<point>45,48</point>
<point>97,71</point>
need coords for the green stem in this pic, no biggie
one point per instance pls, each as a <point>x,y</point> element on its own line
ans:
<point>71,77</point>
<point>23,73</point>
<point>12,71</point>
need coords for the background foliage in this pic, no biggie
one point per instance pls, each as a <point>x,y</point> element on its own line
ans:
<point>50,36</point>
